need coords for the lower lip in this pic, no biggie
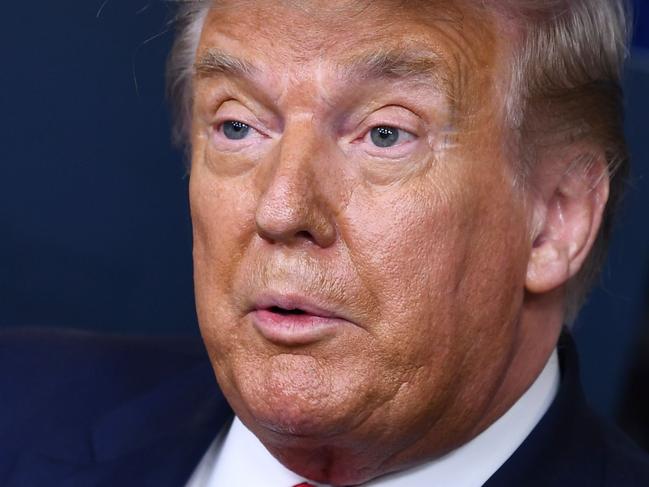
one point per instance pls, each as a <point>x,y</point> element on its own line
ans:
<point>294,329</point>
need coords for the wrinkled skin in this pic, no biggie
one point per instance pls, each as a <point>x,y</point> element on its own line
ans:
<point>421,248</point>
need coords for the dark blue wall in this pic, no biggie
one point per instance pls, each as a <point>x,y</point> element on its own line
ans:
<point>641,32</point>
<point>95,231</point>
<point>615,316</point>
<point>93,200</point>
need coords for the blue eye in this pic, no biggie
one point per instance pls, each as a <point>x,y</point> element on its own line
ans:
<point>235,130</point>
<point>384,136</point>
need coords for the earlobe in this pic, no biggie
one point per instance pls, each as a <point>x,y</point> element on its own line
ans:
<point>547,268</point>
<point>571,204</point>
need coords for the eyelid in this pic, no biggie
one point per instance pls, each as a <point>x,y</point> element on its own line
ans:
<point>236,111</point>
<point>253,133</point>
<point>392,126</point>
<point>410,136</point>
<point>219,125</point>
<point>361,145</point>
<point>254,127</point>
<point>409,124</point>
<point>396,116</point>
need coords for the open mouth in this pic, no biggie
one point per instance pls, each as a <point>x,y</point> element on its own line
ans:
<point>292,308</point>
<point>294,320</point>
<point>286,312</point>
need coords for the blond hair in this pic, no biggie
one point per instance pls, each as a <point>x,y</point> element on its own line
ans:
<point>566,71</point>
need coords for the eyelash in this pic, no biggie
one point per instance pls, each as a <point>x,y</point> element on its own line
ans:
<point>374,136</point>
<point>220,128</point>
<point>385,131</point>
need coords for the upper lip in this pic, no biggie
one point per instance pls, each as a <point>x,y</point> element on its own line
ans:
<point>293,302</point>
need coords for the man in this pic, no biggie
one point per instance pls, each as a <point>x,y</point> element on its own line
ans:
<point>396,208</point>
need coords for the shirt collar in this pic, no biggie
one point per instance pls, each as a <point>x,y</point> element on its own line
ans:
<point>237,457</point>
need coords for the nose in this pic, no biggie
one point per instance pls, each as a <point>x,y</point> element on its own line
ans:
<point>294,206</point>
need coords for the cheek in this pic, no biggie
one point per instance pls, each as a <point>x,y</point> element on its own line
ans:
<point>223,222</point>
<point>222,211</point>
<point>440,261</point>
<point>407,241</point>
<point>446,267</point>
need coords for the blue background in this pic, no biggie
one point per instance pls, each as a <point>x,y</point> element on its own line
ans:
<point>95,230</point>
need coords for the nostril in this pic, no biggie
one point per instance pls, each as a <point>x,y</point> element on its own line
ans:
<point>277,236</point>
<point>538,241</point>
<point>304,234</point>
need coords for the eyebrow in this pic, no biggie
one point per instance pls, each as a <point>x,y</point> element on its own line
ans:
<point>216,62</point>
<point>416,66</point>
<point>391,64</point>
<point>398,64</point>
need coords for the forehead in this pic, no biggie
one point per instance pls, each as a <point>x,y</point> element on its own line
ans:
<point>303,34</point>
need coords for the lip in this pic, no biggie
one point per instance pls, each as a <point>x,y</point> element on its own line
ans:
<point>315,323</point>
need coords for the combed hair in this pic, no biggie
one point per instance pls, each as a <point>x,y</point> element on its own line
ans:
<point>180,66</point>
<point>565,87</point>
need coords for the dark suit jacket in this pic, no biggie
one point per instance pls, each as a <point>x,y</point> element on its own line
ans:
<point>86,410</point>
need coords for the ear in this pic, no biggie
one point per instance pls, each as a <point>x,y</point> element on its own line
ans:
<point>571,195</point>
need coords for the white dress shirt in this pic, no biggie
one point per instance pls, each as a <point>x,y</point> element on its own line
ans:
<point>238,459</point>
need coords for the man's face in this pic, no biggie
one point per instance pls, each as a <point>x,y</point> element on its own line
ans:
<point>359,246</point>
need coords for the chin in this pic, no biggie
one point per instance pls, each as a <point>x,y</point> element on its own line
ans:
<point>297,416</point>
<point>295,424</point>
<point>294,396</point>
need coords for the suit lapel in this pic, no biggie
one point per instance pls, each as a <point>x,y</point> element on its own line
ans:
<point>565,448</point>
<point>189,404</point>
<point>161,435</point>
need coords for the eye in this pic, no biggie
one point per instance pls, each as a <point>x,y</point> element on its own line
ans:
<point>385,136</point>
<point>235,130</point>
